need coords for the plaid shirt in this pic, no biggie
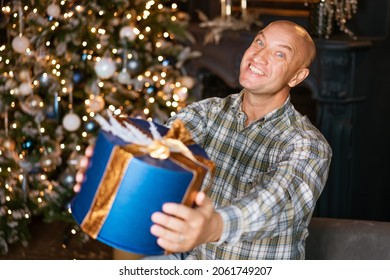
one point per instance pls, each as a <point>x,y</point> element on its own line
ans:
<point>268,177</point>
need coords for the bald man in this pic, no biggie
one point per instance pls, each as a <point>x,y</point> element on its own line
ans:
<point>271,162</point>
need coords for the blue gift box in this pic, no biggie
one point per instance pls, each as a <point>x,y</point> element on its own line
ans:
<point>122,189</point>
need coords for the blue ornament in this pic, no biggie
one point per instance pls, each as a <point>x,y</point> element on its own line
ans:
<point>45,80</point>
<point>169,61</point>
<point>78,77</point>
<point>90,125</point>
<point>28,144</point>
<point>151,90</point>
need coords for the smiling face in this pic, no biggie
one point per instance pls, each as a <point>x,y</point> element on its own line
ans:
<point>277,59</point>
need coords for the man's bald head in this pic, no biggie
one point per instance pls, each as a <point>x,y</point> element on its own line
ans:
<point>303,38</point>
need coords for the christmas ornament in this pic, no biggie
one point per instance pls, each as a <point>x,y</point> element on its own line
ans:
<point>95,103</point>
<point>8,143</point>
<point>24,75</point>
<point>53,10</point>
<point>67,179</point>
<point>78,78</point>
<point>169,61</point>
<point>52,147</point>
<point>20,44</point>
<point>128,33</point>
<point>151,90</point>
<point>46,80</point>
<point>124,77</point>
<point>71,121</point>
<point>90,126</point>
<point>28,144</point>
<point>105,68</point>
<point>32,105</point>
<point>25,89</point>
<point>134,66</point>
<point>52,109</point>
<point>48,162</point>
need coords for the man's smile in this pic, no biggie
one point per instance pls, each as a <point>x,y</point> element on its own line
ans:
<point>256,70</point>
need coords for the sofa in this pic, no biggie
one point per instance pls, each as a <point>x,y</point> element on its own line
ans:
<point>347,239</point>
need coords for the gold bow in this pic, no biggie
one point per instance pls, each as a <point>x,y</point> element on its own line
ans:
<point>174,141</point>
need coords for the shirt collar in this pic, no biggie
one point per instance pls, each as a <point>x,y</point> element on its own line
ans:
<point>275,114</point>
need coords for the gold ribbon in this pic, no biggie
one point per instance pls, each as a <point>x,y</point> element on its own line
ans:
<point>106,191</point>
<point>175,140</point>
<point>171,146</point>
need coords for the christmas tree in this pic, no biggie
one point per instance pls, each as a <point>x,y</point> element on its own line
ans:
<point>63,62</point>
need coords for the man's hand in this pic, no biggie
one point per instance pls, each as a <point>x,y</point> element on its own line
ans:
<point>181,228</point>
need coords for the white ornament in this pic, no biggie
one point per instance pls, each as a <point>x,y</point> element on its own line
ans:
<point>24,75</point>
<point>53,10</point>
<point>105,68</point>
<point>49,162</point>
<point>20,44</point>
<point>71,122</point>
<point>32,105</point>
<point>25,89</point>
<point>124,77</point>
<point>128,33</point>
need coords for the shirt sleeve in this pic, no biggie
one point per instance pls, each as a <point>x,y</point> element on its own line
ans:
<point>195,118</point>
<point>284,196</point>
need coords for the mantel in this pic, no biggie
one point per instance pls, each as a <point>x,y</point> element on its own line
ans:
<point>342,43</point>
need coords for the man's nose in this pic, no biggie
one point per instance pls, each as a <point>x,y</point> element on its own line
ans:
<point>261,56</point>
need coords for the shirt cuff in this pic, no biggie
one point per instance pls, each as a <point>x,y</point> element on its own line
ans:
<point>232,225</point>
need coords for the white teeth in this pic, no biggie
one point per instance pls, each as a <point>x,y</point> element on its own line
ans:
<point>256,71</point>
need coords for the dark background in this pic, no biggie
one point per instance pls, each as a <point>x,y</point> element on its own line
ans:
<point>369,191</point>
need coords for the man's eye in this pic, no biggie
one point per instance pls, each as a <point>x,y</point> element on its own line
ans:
<point>260,43</point>
<point>281,55</point>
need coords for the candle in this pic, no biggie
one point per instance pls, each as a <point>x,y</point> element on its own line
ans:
<point>243,8</point>
<point>223,9</point>
<point>228,8</point>
<point>243,5</point>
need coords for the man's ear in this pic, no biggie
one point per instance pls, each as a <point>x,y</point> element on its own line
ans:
<point>299,77</point>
